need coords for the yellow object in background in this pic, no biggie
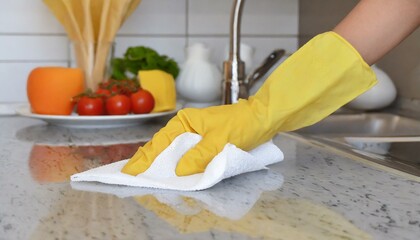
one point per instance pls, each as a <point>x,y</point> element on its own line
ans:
<point>162,86</point>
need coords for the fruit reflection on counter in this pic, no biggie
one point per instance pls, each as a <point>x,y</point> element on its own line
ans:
<point>50,89</point>
<point>57,163</point>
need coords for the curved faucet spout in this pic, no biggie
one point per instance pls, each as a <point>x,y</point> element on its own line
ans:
<point>235,30</point>
<point>234,67</point>
<point>235,84</point>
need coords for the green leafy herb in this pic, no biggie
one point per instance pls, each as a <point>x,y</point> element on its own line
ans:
<point>142,58</point>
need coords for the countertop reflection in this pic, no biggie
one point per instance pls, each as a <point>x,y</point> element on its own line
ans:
<point>313,194</point>
<point>56,163</point>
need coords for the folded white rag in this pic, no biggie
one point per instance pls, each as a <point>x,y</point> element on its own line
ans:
<point>161,174</point>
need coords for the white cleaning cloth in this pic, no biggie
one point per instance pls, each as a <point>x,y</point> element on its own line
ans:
<point>161,174</point>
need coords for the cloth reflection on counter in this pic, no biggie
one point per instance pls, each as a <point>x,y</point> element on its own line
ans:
<point>269,219</point>
<point>50,163</point>
<point>242,205</point>
<point>231,199</point>
<point>99,214</point>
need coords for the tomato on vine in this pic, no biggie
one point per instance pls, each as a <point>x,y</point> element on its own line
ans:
<point>123,86</point>
<point>104,93</point>
<point>118,104</point>
<point>90,106</point>
<point>142,101</point>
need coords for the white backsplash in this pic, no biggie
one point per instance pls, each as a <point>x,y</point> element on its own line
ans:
<point>30,36</point>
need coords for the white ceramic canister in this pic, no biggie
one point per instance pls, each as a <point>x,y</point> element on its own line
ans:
<point>199,80</point>
<point>379,96</point>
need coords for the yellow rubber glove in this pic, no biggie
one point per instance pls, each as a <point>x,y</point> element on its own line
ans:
<point>319,78</point>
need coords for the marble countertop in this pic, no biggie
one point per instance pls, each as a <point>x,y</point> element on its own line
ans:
<point>312,194</point>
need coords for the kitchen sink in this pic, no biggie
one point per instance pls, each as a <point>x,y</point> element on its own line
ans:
<point>386,139</point>
<point>364,125</point>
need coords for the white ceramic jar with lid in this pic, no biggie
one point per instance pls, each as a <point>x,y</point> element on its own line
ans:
<point>199,80</point>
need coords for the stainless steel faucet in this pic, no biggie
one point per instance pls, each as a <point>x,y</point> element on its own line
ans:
<point>235,84</point>
<point>234,67</point>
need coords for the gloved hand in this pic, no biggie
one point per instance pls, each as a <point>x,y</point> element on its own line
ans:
<point>320,77</point>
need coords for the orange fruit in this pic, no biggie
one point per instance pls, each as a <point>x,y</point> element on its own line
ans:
<point>51,89</point>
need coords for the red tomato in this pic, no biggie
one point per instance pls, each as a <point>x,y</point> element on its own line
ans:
<point>88,106</point>
<point>142,101</point>
<point>106,86</point>
<point>104,92</point>
<point>118,105</point>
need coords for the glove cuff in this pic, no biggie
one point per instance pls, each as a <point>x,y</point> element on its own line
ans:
<point>323,75</point>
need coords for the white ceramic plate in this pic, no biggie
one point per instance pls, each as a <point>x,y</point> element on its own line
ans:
<point>76,121</point>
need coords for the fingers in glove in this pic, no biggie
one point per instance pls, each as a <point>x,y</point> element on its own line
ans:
<point>197,158</point>
<point>145,155</point>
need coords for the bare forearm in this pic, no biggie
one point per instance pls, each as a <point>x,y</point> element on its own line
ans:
<point>374,27</point>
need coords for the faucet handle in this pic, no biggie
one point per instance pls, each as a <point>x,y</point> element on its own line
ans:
<point>265,66</point>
